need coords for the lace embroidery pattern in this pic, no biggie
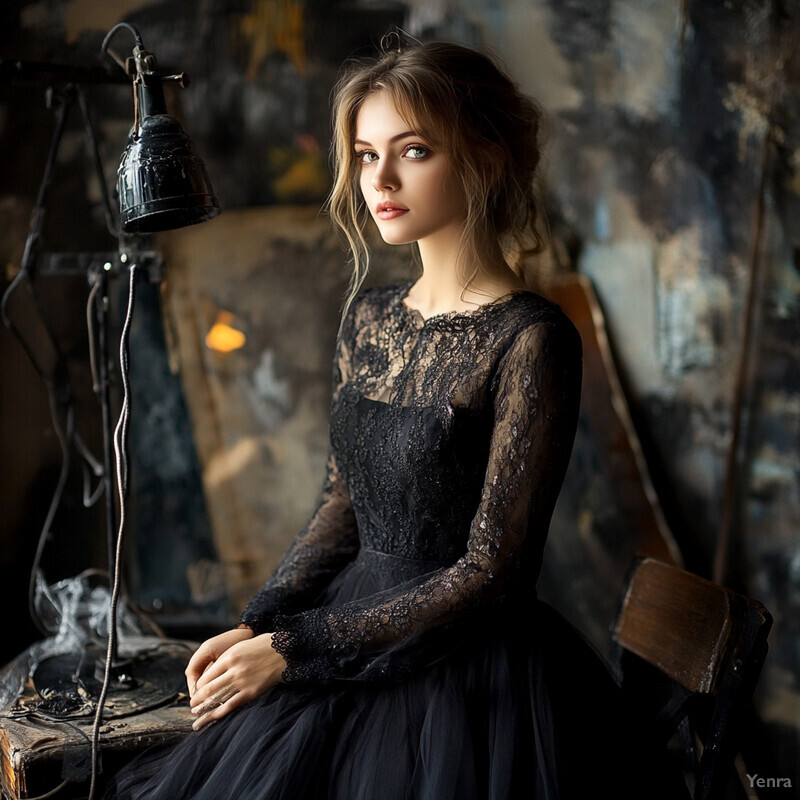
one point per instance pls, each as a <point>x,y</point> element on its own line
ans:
<point>450,438</point>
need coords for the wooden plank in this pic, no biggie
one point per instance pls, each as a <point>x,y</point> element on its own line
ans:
<point>608,512</point>
<point>33,752</point>
<point>605,405</point>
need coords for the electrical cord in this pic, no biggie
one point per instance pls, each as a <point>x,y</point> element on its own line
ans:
<point>44,718</point>
<point>122,468</point>
<point>89,465</point>
<point>90,462</point>
<point>63,440</point>
<point>60,403</point>
<point>64,433</point>
<point>92,346</point>
<point>57,385</point>
<point>8,322</point>
<point>110,35</point>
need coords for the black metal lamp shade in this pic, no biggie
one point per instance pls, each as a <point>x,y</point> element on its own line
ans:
<point>162,182</point>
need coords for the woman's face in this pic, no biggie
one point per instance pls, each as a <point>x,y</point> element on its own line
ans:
<point>405,182</point>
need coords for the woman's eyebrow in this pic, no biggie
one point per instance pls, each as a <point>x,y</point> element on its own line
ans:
<point>394,139</point>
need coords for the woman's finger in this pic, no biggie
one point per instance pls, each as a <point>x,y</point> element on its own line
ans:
<point>210,651</point>
<point>214,700</point>
<point>217,708</point>
<point>193,675</point>
<point>199,663</point>
<point>210,674</point>
<point>214,690</point>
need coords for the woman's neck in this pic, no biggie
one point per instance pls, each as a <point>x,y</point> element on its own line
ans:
<point>449,285</point>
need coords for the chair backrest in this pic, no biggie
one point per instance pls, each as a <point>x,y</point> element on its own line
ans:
<point>691,654</point>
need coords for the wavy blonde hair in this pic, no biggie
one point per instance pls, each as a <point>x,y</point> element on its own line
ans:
<point>462,103</point>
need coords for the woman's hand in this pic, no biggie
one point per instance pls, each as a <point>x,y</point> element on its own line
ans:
<point>230,670</point>
<point>210,651</point>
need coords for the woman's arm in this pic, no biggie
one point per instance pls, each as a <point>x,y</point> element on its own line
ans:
<point>536,399</point>
<point>236,666</point>
<point>317,554</point>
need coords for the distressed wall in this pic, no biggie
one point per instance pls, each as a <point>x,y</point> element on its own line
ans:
<point>672,174</point>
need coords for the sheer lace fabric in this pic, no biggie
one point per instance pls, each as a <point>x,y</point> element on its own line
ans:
<point>421,665</point>
<point>450,438</point>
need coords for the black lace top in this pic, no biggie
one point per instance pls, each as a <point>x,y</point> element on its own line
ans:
<point>450,438</point>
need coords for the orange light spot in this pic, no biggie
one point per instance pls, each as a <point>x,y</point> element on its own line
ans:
<point>223,337</point>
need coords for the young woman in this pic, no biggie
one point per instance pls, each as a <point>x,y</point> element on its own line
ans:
<point>399,650</point>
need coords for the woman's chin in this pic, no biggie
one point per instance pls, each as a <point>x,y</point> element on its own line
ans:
<point>393,237</point>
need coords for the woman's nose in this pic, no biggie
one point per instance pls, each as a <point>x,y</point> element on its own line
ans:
<point>385,178</point>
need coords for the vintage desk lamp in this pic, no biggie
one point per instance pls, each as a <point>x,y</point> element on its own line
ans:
<point>162,184</point>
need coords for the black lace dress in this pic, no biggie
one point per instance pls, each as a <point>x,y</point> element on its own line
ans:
<point>421,665</point>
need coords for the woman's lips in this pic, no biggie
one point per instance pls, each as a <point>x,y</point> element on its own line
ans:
<point>389,211</point>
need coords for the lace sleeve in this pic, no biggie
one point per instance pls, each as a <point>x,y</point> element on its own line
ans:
<point>328,542</point>
<point>318,553</point>
<point>536,392</point>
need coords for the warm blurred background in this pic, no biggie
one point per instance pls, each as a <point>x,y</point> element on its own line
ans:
<point>672,184</point>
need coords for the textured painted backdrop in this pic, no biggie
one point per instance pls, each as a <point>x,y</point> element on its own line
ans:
<point>659,114</point>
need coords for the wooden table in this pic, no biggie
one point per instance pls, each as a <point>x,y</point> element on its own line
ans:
<point>41,751</point>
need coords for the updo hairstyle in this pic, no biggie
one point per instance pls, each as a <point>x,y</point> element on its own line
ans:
<point>462,104</point>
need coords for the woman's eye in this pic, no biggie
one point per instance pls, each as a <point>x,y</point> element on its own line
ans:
<point>417,152</point>
<point>366,157</point>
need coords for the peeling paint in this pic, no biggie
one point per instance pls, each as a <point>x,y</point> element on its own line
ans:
<point>518,32</point>
<point>227,464</point>
<point>274,26</point>
<point>701,467</point>
<point>782,404</point>
<point>679,194</point>
<point>83,15</point>
<point>602,220</point>
<point>267,394</point>
<point>659,206</point>
<point>770,470</point>
<point>646,41</point>
<point>787,290</point>
<point>782,700</point>
<point>684,340</point>
<point>622,274</point>
<point>693,304</point>
<point>753,115</point>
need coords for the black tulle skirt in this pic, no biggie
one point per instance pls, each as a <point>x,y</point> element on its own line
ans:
<point>522,708</point>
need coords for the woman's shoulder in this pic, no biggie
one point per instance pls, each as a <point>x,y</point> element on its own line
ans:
<point>526,309</point>
<point>532,320</point>
<point>380,297</point>
<point>368,310</point>
<point>374,304</point>
<point>371,298</point>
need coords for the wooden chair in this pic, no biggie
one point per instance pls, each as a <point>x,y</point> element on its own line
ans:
<point>689,654</point>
